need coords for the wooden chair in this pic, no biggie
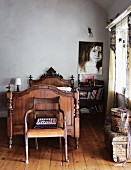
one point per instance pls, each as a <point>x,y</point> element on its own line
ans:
<point>46,107</point>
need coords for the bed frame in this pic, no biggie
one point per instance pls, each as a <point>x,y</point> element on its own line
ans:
<point>46,86</point>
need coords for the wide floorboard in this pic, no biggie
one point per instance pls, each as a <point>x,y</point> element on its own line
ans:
<point>91,154</point>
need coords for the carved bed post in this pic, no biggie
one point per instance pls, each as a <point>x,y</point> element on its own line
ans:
<point>10,112</point>
<point>72,81</point>
<point>30,80</point>
<point>77,118</point>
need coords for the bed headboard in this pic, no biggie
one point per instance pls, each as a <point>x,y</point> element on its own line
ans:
<point>45,87</point>
<point>52,78</point>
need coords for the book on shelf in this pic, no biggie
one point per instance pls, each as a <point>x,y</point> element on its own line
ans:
<point>99,94</point>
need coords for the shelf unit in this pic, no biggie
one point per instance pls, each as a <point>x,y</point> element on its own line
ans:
<point>91,97</point>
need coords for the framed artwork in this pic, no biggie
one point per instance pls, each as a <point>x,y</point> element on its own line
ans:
<point>90,58</point>
<point>86,79</point>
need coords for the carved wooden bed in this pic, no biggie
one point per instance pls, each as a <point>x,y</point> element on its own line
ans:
<point>49,85</point>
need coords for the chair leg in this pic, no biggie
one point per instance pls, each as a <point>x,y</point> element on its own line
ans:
<point>60,142</point>
<point>26,149</point>
<point>66,150</point>
<point>36,143</point>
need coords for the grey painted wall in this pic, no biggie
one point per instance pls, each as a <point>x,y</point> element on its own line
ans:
<point>35,35</point>
<point>118,7</point>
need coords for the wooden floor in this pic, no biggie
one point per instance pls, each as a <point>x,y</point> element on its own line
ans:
<point>91,154</point>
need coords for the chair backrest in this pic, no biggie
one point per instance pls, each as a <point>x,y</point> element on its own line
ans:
<point>47,104</point>
<point>49,108</point>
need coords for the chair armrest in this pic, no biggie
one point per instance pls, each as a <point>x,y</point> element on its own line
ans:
<point>26,115</point>
<point>64,118</point>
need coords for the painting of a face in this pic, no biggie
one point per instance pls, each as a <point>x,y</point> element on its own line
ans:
<point>90,58</point>
<point>96,54</point>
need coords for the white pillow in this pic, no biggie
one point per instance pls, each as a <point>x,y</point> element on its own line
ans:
<point>65,88</point>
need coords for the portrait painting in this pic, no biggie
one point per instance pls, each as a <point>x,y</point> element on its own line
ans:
<point>90,58</point>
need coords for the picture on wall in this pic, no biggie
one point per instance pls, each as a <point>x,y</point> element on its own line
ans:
<point>90,58</point>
